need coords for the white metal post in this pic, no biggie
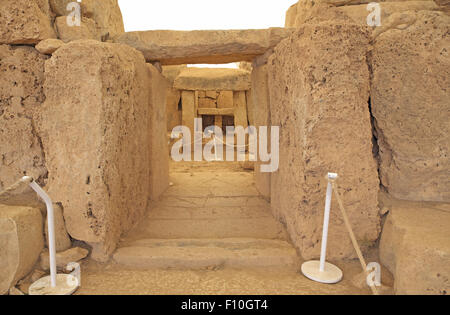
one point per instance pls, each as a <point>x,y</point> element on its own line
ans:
<point>51,230</point>
<point>326,221</point>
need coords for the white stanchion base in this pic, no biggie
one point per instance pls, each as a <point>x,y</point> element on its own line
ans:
<point>331,274</point>
<point>65,285</point>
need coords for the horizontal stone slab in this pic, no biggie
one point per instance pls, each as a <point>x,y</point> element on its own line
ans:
<point>207,79</point>
<point>216,111</point>
<point>210,46</point>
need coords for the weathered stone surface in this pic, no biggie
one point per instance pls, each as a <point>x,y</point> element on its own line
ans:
<point>245,65</point>
<point>173,96</point>
<point>225,99</point>
<point>159,162</point>
<point>204,79</point>
<point>251,107</point>
<point>87,30</point>
<point>415,247</point>
<point>173,109</point>
<point>107,15</point>
<point>21,94</point>
<point>74,254</point>
<point>172,72</point>
<point>205,102</point>
<point>24,22</point>
<point>21,241</point>
<point>260,96</point>
<point>291,15</point>
<point>49,46</point>
<point>189,110</point>
<point>411,76</point>
<point>216,46</point>
<point>320,101</point>
<point>95,124</point>
<point>59,7</point>
<point>317,11</point>
<point>240,109</point>
<point>62,238</point>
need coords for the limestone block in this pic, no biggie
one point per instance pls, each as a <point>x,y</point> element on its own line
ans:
<point>24,22</point>
<point>21,241</point>
<point>172,72</point>
<point>107,15</point>
<point>204,79</point>
<point>67,33</point>
<point>411,108</point>
<point>49,46</point>
<point>225,99</point>
<point>206,103</point>
<point>59,7</point>
<point>260,96</point>
<point>21,81</point>
<point>95,131</point>
<point>415,247</point>
<point>323,113</point>
<point>251,107</point>
<point>188,100</point>
<point>159,161</point>
<point>240,109</point>
<point>316,11</point>
<point>172,107</point>
<point>291,16</point>
<point>211,94</point>
<point>209,46</point>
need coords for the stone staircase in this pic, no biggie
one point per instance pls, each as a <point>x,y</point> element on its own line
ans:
<point>209,219</point>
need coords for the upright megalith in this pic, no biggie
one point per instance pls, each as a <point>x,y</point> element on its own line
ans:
<point>159,161</point>
<point>357,12</point>
<point>21,96</point>
<point>319,90</point>
<point>410,104</point>
<point>25,22</point>
<point>95,131</point>
<point>261,99</point>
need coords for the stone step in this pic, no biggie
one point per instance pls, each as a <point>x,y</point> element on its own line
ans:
<point>207,254</point>
<point>260,227</point>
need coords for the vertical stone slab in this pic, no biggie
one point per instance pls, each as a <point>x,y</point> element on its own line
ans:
<point>159,160</point>
<point>410,104</point>
<point>172,108</point>
<point>21,96</point>
<point>95,132</point>
<point>251,111</point>
<point>319,92</point>
<point>218,120</point>
<point>188,99</point>
<point>260,97</point>
<point>24,22</point>
<point>225,99</point>
<point>240,109</point>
